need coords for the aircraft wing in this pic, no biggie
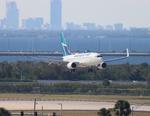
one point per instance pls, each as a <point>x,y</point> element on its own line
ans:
<point>120,58</point>
<point>48,59</point>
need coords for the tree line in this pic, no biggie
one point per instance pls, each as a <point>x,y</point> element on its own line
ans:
<point>29,71</point>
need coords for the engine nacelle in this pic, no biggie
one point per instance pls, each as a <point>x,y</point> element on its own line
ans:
<point>72,65</point>
<point>102,65</point>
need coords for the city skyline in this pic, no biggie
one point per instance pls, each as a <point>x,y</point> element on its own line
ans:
<point>103,12</point>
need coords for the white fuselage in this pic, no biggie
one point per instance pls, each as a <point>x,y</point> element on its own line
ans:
<point>84,59</point>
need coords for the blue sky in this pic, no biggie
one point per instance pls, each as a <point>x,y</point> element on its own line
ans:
<point>103,12</point>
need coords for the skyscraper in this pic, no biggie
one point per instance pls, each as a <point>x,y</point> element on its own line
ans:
<point>56,15</point>
<point>12,15</point>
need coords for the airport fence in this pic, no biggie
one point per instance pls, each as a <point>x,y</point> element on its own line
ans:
<point>75,88</point>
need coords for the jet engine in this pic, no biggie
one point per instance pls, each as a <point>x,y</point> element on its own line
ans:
<point>72,65</point>
<point>102,65</point>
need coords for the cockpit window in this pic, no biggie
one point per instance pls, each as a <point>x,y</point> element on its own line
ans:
<point>99,56</point>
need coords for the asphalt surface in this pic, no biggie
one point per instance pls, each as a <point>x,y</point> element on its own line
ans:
<point>66,105</point>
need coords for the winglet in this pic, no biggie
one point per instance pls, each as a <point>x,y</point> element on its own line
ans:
<point>127,50</point>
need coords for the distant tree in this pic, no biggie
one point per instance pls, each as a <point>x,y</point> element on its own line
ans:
<point>4,112</point>
<point>122,108</point>
<point>106,83</point>
<point>145,65</point>
<point>104,112</point>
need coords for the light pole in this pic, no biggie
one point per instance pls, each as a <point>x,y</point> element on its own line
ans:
<point>132,110</point>
<point>35,103</point>
<point>61,108</point>
<point>42,111</point>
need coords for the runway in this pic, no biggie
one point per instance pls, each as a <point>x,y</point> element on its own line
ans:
<point>66,105</point>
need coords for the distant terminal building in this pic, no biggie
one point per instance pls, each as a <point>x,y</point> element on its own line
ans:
<point>3,23</point>
<point>73,26</point>
<point>90,26</point>
<point>109,28</point>
<point>56,15</point>
<point>32,23</point>
<point>100,27</point>
<point>139,30</point>
<point>12,15</point>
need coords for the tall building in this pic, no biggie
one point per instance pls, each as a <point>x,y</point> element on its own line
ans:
<point>109,28</point>
<point>56,15</point>
<point>90,26</point>
<point>118,27</point>
<point>72,26</point>
<point>12,15</point>
<point>2,23</point>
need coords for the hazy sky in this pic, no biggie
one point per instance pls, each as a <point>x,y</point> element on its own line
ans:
<point>103,12</point>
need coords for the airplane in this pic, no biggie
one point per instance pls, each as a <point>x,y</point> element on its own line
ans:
<point>83,60</point>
